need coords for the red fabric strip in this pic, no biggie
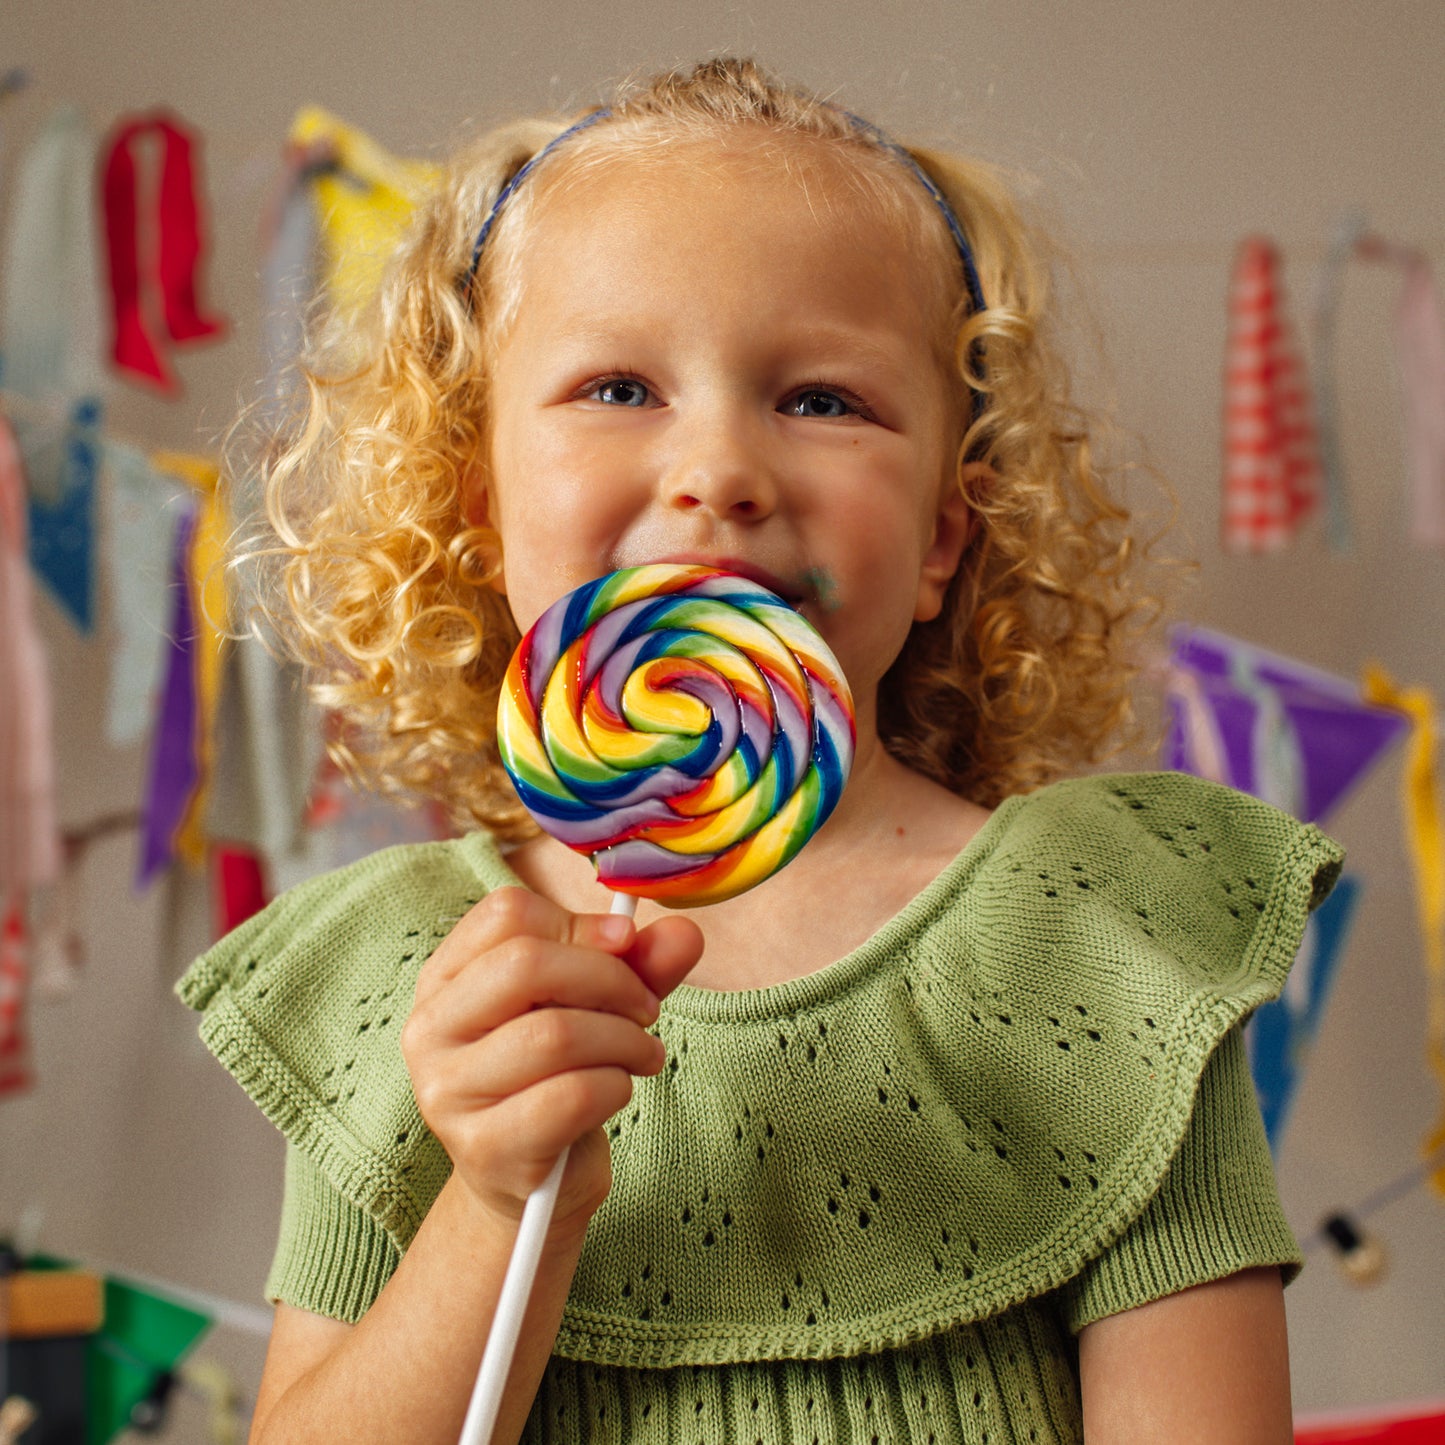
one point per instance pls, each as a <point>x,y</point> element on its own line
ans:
<point>240,888</point>
<point>177,250</point>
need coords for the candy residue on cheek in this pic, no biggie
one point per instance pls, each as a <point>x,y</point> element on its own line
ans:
<point>819,587</point>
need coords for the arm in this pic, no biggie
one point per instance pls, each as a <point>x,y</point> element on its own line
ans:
<point>1209,1364</point>
<point>528,1025</point>
<point>405,1371</point>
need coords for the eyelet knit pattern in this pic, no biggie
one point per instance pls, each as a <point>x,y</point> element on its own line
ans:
<point>859,1174</point>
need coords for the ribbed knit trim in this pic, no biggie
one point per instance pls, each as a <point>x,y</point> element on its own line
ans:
<point>332,1259</point>
<point>1006,1379</point>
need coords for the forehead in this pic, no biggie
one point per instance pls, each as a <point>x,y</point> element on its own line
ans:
<point>786,209</point>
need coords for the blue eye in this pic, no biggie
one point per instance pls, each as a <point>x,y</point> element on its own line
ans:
<point>622,391</point>
<point>818,403</point>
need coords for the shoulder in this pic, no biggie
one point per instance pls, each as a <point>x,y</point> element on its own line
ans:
<point>1162,865</point>
<point>354,913</point>
<point>1205,828</point>
<point>1110,930</point>
<point>303,1006</point>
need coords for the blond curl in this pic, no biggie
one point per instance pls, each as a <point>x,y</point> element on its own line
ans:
<point>377,570</point>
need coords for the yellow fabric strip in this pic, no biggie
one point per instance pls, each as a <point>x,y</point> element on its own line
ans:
<point>208,609</point>
<point>362,208</point>
<point>1425,837</point>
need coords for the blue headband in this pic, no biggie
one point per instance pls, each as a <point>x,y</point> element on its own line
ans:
<point>960,240</point>
<point>505,193</point>
<point>950,216</point>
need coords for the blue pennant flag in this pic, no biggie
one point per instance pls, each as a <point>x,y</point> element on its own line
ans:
<point>1280,1034</point>
<point>62,531</point>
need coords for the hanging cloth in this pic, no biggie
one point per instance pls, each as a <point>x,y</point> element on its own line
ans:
<point>174,773</point>
<point>363,205</point>
<point>1282,1031</point>
<point>268,736</point>
<point>142,508</point>
<point>1271,458</point>
<point>183,746</point>
<point>50,367</point>
<point>50,326</point>
<point>15,1074</point>
<point>30,853</point>
<point>63,532</point>
<point>1420,346</point>
<point>1425,837</point>
<point>1329,292</point>
<point>240,887</point>
<point>178,247</point>
<point>1271,725</point>
<point>206,583</point>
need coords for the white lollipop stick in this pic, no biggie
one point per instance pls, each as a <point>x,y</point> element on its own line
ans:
<point>517,1285</point>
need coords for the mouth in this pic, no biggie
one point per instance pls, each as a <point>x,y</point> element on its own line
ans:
<point>795,592</point>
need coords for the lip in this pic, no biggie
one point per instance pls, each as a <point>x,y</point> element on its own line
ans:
<point>790,592</point>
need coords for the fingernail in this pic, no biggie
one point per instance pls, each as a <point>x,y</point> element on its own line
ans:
<point>613,930</point>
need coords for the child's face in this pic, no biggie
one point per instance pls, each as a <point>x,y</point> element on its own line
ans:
<point>723,359</point>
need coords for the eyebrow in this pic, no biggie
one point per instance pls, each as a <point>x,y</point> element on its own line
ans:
<point>844,342</point>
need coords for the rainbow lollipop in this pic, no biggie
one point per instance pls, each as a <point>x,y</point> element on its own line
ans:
<point>688,731</point>
<point>682,726</point>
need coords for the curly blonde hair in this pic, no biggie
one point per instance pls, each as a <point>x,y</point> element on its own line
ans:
<point>379,579</point>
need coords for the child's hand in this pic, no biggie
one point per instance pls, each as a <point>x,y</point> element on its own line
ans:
<point>528,1025</point>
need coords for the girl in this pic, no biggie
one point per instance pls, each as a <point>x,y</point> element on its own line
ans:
<point>948,1136</point>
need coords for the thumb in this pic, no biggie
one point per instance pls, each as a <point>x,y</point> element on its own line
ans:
<point>665,952</point>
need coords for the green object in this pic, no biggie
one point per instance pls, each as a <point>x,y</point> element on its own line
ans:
<point>142,1338</point>
<point>876,1200</point>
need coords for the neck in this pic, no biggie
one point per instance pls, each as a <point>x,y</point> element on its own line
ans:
<point>892,833</point>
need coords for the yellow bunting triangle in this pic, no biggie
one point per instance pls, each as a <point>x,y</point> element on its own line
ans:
<point>362,207</point>
<point>1425,837</point>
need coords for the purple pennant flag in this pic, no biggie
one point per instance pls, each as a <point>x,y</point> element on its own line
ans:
<point>174,770</point>
<point>1268,725</point>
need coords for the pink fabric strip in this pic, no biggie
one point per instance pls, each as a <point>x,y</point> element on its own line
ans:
<point>30,852</point>
<point>1420,342</point>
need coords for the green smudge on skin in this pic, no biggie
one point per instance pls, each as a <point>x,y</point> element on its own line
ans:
<point>818,584</point>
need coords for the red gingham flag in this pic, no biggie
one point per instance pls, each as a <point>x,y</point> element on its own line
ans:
<point>14,1051</point>
<point>1271,455</point>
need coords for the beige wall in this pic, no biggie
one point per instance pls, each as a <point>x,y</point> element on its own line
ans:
<point>1158,135</point>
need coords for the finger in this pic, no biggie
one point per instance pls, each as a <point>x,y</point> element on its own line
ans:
<point>546,1119</point>
<point>665,952</point>
<point>509,913</point>
<point>524,974</point>
<point>541,1045</point>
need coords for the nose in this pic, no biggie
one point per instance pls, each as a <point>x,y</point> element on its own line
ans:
<point>722,467</point>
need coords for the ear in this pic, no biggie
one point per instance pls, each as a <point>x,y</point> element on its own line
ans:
<point>953,529</point>
<point>477,512</point>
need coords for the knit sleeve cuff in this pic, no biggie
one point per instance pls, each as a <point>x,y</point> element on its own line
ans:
<point>331,1259</point>
<point>1216,1213</point>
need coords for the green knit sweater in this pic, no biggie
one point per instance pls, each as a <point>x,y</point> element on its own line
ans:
<point>873,1203</point>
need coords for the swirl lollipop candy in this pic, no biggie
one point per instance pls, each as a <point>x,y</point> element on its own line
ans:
<point>682,726</point>
<point>688,731</point>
